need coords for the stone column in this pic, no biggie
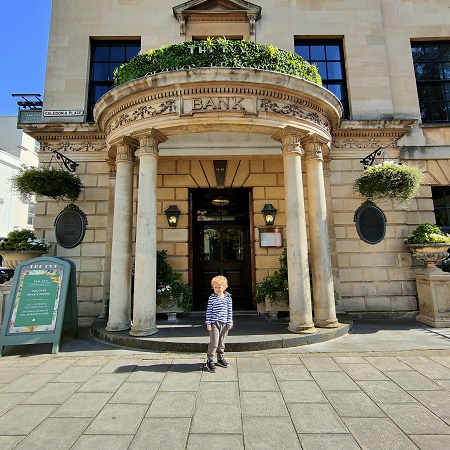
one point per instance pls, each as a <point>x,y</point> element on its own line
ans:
<point>144,307</point>
<point>120,287</point>
<point>109,232</point>
<point>322,276</point>
<point>297,248</point>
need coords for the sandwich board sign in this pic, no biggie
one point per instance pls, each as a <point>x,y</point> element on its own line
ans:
<point>42,300</point>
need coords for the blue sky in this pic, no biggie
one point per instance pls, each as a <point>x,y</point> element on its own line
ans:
<point>24,38</point>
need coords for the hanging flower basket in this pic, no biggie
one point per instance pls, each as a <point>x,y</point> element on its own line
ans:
<point>389,180</point>
<point>47,181</point>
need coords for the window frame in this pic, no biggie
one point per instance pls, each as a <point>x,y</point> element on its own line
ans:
<point>445,207</point>
<point>427,86</point>
<point>342,82</point>
<point>106,82</point>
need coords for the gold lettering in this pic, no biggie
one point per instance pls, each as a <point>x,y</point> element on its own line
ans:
<point>237,104</point>
<point>225,101</point>
<point>210,104</point>
<point>197,104</point>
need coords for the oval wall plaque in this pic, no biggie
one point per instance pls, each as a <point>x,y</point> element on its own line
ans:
<point>70,226</point>
<point>370,223</point>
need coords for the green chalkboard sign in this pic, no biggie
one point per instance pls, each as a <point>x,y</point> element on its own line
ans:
<point>41,301</point>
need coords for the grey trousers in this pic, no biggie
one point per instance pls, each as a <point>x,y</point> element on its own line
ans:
<point>217,337</point>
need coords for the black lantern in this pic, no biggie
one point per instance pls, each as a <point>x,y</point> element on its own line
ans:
<point>172,214</point>
<point>269,212</point>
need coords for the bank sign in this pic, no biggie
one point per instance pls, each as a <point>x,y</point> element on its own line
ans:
<point>245,105</point>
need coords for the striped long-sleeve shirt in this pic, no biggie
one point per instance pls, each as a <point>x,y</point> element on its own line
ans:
<point>219,309</point>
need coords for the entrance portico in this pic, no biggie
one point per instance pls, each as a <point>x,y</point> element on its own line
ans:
<point>137,116</point>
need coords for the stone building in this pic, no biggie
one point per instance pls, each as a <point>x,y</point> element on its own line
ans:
<point>197,137</point>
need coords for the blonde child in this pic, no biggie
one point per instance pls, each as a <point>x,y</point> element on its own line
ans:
<point>219,320</point>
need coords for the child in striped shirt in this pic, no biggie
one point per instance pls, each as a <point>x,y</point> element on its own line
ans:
<point>219,320</point>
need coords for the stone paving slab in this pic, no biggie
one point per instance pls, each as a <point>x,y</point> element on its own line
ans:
<point>110,398</point>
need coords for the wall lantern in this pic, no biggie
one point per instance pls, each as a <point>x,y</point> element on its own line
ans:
<point>269,213</point>
<point>172,214</point>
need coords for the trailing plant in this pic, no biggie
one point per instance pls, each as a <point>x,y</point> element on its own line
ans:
<point>46,181</point>
<point>390,180</point>
<point>216,53</point>
<point>427,233</point>
<point>169,286</point>
<point>278,282</point>
<point>22,241</point>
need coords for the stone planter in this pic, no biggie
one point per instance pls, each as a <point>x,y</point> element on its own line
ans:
<point>171,307</point>
<point>280,302</point>
<point>433,285</point>
<point>12,259</point>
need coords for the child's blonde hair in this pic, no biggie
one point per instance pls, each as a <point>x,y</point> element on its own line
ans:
<point>219,279</point>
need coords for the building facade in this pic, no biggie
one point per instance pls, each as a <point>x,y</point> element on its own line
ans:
<point>196,137</point>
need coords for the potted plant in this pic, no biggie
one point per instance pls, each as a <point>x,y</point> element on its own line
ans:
<point>428,243</point>
<point>21,245</point>
<point>51,182</point>
<point>172,296</point>
<point>273,290</point>
<point>389,180</point>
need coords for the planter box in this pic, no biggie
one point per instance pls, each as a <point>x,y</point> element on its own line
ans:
<point>171,307</point>
<point>280,302</point>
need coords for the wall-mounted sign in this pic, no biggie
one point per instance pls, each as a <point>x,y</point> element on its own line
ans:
<point>30,116</point>
<point>370,223</point>
<point>244,105</point>
<point>70,226</point>
<point>63,112</point>
<point>42,299</point>
<point>271,237</point>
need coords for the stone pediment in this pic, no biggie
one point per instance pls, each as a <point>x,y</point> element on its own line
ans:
<point>216,10</point>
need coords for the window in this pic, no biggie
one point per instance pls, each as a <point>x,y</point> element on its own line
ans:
<point>328,57</point>
<point>432,70</point>
<point>441,201</point>
<point>105,57</point>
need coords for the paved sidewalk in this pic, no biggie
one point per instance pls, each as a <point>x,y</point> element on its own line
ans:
<point>354,392</point>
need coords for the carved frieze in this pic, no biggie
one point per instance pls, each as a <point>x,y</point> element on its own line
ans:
<point>267,105</point>
<point>70,146</point>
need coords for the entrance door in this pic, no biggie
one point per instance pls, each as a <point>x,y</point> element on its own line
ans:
<point>221,245</point>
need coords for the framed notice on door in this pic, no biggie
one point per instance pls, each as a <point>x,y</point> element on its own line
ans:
<point>271,237</point>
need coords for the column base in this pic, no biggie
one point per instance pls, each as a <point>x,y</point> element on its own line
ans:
<point>140,331</point>
<point>440,322</point>
<point>326,323</point>
<point>301,329</point>
<point>118,326</point>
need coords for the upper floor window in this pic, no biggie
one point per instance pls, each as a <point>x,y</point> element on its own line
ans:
<point>441,201</point>
<point>105,57</point>
<point>328,56</point>
<point>432,69</point>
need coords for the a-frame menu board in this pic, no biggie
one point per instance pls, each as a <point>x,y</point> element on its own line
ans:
<point>42,300</point>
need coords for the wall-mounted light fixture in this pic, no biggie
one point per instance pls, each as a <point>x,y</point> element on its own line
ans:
<point>269,212</point>
<point>172,214</point>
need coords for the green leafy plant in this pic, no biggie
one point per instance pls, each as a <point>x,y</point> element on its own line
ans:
<point>390,180</point>
<point>216,53</point>
<point>271,285</point>
<point>22,241</point>
<point>427,233</point>
<point>46,181</point>
<point>169,286</point>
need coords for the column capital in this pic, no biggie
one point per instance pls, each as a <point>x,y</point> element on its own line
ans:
<point>290,138</point>
<point>149,142</point>
<point>316,146</point>
<point>112,167</point>
<point>125,148</point>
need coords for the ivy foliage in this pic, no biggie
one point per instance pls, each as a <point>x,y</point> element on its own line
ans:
<point>389,180</point>
<point>427,233</point>
<point>216,53</point>
<point>46,181</point>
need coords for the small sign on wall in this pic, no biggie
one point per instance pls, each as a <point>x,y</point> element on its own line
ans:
<point>70,226</point>
<point>271,237</point>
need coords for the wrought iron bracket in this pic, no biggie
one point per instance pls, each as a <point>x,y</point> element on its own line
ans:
<point>369,159</point>
<point>70,165</point>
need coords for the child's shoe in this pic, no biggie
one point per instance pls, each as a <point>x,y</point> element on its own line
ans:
<point>210,366</point>
<point>222,362</point>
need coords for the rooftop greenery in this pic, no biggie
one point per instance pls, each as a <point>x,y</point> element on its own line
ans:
<point>216,53</point>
